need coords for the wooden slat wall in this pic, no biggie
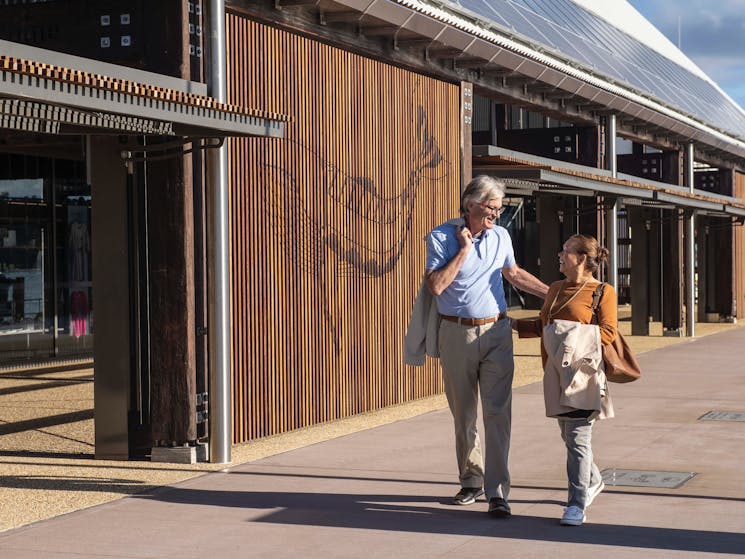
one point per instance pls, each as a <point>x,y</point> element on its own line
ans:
<point>738,247</point>
<point>328,227</point>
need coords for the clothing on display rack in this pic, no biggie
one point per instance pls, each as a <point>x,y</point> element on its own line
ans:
<point>79,245</point>
<point>79,311</point>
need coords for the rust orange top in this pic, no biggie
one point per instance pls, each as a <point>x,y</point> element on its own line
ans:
<point>564,302</point>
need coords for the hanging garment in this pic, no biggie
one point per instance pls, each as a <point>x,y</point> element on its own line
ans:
<point>79,310</point>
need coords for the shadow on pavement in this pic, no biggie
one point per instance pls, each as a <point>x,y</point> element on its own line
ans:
<point>72,483</point>
<point>420,514</point>
<point>8,428</point>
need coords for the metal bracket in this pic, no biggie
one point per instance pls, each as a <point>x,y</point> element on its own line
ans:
<point>170,150</point>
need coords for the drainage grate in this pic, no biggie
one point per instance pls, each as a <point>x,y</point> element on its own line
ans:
<point>723,416</point>
<point>646,478</point>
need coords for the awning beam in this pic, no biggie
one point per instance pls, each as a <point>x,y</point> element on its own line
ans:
<point>547,174</point>
<point>91,102</point>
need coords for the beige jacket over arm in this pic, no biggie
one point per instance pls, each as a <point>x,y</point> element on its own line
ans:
<point>421,337</point>
<point>573,377</point>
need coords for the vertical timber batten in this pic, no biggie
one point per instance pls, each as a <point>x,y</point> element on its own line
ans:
<point>328,225</point>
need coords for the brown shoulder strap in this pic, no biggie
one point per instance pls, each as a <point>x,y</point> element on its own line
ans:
<point>596,296</point>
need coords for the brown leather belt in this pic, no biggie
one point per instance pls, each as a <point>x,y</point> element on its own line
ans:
<point>474,321</point>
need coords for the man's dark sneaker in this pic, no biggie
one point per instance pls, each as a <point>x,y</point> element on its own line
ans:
<point>467,495</point>
<point>499,508</point>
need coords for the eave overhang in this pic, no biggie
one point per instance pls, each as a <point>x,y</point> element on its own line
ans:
<point>52,99</point>
<point>529,175</point>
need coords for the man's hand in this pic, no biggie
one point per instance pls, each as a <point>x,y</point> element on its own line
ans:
<point>465,239</point>
<point>439,280</point>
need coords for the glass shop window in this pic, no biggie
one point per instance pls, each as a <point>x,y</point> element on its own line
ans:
<point>73,249</point>
<point>23,246</point>
<point>45,258</point>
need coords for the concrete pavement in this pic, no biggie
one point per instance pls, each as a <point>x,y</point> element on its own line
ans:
<point>385,492</point>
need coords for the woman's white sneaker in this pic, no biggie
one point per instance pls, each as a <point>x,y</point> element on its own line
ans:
<point>594,491</point>
<point>573,516</point>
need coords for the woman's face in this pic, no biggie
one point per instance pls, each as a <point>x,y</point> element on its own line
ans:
<point>570,261</point>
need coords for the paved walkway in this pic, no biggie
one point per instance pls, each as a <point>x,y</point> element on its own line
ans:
<point>384,492</point>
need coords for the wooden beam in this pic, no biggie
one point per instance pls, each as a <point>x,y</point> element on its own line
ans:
<point>557,94</point>
<point>413,43</point>
<point>496,71</point>
<point>340,17</point>
<point>279,4</point>
<point>470,62</point>
<point>442,51</point>
<point>378,30</point>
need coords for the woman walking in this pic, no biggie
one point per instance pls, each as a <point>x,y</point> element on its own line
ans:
<point>575,320</point>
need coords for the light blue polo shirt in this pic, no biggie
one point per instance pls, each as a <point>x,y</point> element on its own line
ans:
<point>477,290</point>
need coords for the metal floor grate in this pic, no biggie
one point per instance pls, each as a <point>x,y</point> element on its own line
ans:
<point>723,416</point>
<point>646,478</point>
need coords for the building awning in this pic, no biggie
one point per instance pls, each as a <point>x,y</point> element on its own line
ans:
<point>526,174</point>
<point>51,99</point>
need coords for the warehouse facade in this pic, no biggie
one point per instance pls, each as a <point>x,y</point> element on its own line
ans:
<point>391,106</point>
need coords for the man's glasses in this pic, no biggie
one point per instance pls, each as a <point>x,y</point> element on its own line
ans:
<point>494,209</point>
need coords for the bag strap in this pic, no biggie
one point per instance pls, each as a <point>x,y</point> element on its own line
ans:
<point>551,311</point>
<point>596,297</point>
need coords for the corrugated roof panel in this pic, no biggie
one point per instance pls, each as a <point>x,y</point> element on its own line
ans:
<point>587,39</point>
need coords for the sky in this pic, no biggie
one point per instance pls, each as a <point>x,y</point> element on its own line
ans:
<point>712,35</point>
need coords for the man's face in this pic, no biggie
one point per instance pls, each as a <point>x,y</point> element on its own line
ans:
<point>486,212</point>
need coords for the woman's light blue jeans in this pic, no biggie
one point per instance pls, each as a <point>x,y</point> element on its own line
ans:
<point>582,473</point>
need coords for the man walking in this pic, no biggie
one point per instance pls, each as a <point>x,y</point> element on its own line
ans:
<point>464,270</point>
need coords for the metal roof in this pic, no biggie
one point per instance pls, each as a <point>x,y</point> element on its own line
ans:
<point>509,39</point>
<point>570,32</point>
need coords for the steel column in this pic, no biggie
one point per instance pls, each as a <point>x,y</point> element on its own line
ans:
<point>612,210</point>
<point>690,293</point>
<point>690,250</point>
<point>689,167</point>
<point>218,294</point>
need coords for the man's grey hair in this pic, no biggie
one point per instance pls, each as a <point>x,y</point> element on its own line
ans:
<point>481,189</point>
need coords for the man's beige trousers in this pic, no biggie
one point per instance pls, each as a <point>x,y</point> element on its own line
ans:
<point>479,359</point>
